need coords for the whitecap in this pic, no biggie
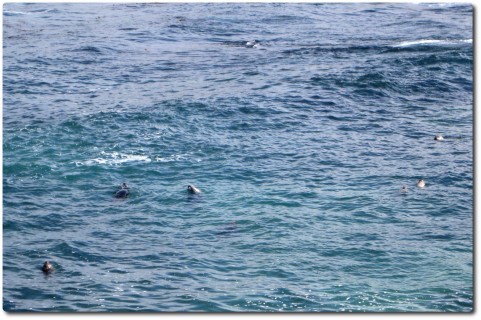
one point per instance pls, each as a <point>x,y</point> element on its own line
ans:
<point>431,42</point>
<point>169,159</point>
<point>14,13</point>
<point>442,5</point>
<point>114,158</point>
<point>174,157</point>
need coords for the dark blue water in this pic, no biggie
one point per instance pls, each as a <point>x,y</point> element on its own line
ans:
<point>300,144</point>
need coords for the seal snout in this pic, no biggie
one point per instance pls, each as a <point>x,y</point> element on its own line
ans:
<point>192,189</point>
<point>47,267</point>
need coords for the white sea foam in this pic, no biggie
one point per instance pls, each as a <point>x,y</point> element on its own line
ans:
<point>114,158</point>
<point>14,13</point>
<point>174,157</point>
<point>431,42</point>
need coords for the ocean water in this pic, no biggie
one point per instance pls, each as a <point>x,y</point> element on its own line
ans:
<point>300,144</point>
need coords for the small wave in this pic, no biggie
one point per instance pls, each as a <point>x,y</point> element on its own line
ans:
<point>14,13</point>
<point>90,49</point>
<point>440,5</point>
<point>77,250</point>
<point>128,29</point>
<point>431,42</point>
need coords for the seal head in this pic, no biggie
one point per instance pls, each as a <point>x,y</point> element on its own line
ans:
<point>123,192</point>
<point>252,44</point>
<point>47,267</point>
<point>421,183</point>
<point>192,189</point>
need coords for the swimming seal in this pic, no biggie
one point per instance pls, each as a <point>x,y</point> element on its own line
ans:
<point>252,44</point>
<point>439,137</point>
<point>123,192</point>
<point>421,183</point>
<point>404,189</point>
<point>47,267</point>
<point>193,190</point>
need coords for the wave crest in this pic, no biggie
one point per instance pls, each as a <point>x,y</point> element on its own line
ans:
<point>431,42</point>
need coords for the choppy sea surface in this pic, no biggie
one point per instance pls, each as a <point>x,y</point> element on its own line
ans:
<point>300,143</point>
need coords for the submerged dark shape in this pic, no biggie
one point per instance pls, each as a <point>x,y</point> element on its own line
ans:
<point>47,267</point>
<point>230,228</point>
<point>123,192</point>
<point>192,189</point>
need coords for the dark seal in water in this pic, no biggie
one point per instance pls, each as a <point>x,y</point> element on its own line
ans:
<point>192,189</point>
<point>123,192</point>
<point>47,267</point>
